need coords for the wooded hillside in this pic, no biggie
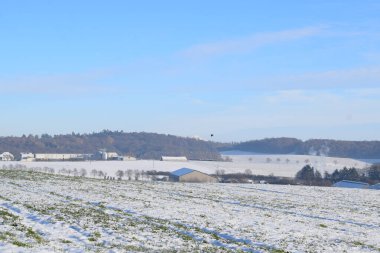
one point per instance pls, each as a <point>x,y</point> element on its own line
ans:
<point>351,149</point>
<point>141,145</point>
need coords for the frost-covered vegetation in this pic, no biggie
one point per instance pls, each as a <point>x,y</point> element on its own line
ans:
<point>42,212</point>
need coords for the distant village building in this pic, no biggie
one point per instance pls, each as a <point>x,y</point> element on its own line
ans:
<point>105,156</point>
<point>6,156</point>
<point>351,184</point>
<point>160,178</point>
<point>127,158</point>
<point>174,158</point>
<point>27,157</point>
<point>375,186</point>
<point>60,157</point>
<point>112,156</point>
<point>191,176</point>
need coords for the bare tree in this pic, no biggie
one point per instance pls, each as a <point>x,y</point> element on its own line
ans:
<point>83,172</point>
<point>100,173</point>
<point>248,172</point>
<point>119,174</point>
<point>129,174</point>
<point>137,175</point>
<point>94,173</point>
<point>143,174</point>
<point>62,171</point>
<point>228,159</point>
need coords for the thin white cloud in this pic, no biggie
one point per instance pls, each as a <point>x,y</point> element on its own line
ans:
<point>250,43</point>
<point>69,83</point>
<point>365,77</point>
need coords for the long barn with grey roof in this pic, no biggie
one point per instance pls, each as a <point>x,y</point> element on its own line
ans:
<point>351,184</point>
<point>190,175</point>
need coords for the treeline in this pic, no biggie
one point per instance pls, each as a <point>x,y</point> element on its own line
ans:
<point>306,176</point>
<point>135,175</point>
<point>310,176</point>
<point>351,149</point>
<point>141,145</point>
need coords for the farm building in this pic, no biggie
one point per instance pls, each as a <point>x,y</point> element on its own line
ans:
<point>190,175</point>
<point>104,155</point>
<point>128,158</point>
<point>174,158</point>
<point>6,156</point>
<point>351,184</point>
<point>27,157</point>
<point>60,157</point>
<point>375,186</point>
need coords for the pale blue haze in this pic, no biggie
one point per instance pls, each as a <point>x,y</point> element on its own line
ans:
<point>239,69</point>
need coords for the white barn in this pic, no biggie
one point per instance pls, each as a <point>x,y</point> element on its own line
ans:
<point>59,157</point>
<point>174,158</point>
<point>27,157</point>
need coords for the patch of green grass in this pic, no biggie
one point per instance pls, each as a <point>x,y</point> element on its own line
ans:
<point>278,251</point>
<point>322,225</point>
<point>6,214</point>
<point>20,244</point>
<point>32,234</point>
<point>4,198</point>
<point>65,241</point>
<point>186,237</point>
<point>363,245</point>
<point>92,239</point>
<point>215,236</point>
<point>357,243</point>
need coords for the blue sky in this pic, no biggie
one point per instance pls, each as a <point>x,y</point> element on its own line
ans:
<point>238,69</point>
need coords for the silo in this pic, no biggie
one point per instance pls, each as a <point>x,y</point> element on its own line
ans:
<point>104,155</point>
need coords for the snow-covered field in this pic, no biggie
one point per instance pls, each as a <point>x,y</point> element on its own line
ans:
<point>52,213</point>
<point>279,165</point>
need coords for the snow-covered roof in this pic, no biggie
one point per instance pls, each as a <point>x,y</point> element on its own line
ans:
<point>352,182</point>
<point>6,155</point>
<point>173,158</point>
<point>181,172</point>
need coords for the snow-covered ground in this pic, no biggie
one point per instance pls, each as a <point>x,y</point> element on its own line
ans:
<point>279,165</point>
<point>52,213</point>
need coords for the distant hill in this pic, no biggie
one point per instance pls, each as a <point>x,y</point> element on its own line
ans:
<point>141,145</point>
<point>153,146</point>
<point>349,149</point>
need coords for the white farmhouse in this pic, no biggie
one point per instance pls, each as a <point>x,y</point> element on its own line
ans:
<point>6,156</point>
